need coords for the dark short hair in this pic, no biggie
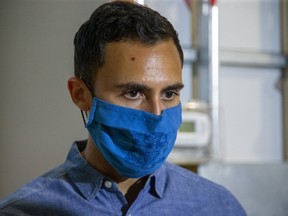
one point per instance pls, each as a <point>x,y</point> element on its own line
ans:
<point>114,22</point>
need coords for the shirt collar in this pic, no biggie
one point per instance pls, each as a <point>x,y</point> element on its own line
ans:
<point>84,177</point>
<point>158,181</point>
<point>88,181</point>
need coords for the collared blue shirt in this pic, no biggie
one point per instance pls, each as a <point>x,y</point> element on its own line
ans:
<point>76,188</point>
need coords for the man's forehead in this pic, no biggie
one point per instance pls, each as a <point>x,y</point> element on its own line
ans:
<point>134,62</point>
<point>131,51</point>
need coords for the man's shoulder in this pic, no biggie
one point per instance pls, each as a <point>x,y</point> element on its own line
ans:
<point>192,181</point>
<point>34,189</point>
<point>187,177</point>
<point>194,189</point>
<point>176,173</point>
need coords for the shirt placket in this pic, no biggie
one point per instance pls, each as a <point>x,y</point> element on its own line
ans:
<point>116,198</point>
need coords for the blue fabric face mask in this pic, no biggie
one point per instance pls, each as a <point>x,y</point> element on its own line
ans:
<point>134,142</point>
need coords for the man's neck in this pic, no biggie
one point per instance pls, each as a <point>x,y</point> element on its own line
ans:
<point>130,187</point>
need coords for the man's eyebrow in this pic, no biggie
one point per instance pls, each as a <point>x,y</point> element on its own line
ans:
<point>177,86</point>
<point>132,85</point>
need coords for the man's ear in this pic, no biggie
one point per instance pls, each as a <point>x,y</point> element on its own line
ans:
<point>80,94</point>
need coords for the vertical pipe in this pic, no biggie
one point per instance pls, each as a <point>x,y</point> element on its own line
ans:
<point>200,33</point>
<point>195,10</point>
<point>285,110</point>
<point>284,23</point>
<point>214,78</point>
<point>206,69</point>
<point>284,34</point>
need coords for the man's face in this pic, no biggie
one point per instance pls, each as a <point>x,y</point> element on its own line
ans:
<point>142,77</point>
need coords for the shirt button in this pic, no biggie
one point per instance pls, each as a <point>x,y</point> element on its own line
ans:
<point>108,184</point>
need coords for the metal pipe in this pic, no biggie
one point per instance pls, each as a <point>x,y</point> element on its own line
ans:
<point>252,59</point>
<point>196,19</point>
<point>284,34</point>
<point>214,78</point>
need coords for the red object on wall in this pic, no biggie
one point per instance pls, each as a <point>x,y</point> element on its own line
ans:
<point>212,2</point>
<point>189,3</point>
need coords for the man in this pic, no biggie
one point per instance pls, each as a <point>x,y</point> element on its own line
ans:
<point>127,83</point>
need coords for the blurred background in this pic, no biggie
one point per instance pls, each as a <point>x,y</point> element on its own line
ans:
<point>235,95</point>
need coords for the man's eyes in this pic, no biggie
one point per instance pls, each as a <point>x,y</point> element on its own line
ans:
<point>170,95</point>
<point>137,94</point>
<point>132,94</point>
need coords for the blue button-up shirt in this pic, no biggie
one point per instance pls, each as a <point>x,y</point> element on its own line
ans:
<point>76,188</point>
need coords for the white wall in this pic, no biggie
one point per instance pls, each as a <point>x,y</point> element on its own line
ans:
<point>250,103</point>
<point>250,115</point>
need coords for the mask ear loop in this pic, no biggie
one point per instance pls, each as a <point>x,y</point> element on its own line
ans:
<point>84,117</point>
<point>84,114</point>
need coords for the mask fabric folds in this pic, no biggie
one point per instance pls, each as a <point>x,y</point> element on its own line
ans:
<point>134,142</point>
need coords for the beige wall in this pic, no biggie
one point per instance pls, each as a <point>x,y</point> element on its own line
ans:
<point>38,121</point>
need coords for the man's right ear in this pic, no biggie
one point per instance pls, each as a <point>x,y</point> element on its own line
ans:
<point>80,94</point>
